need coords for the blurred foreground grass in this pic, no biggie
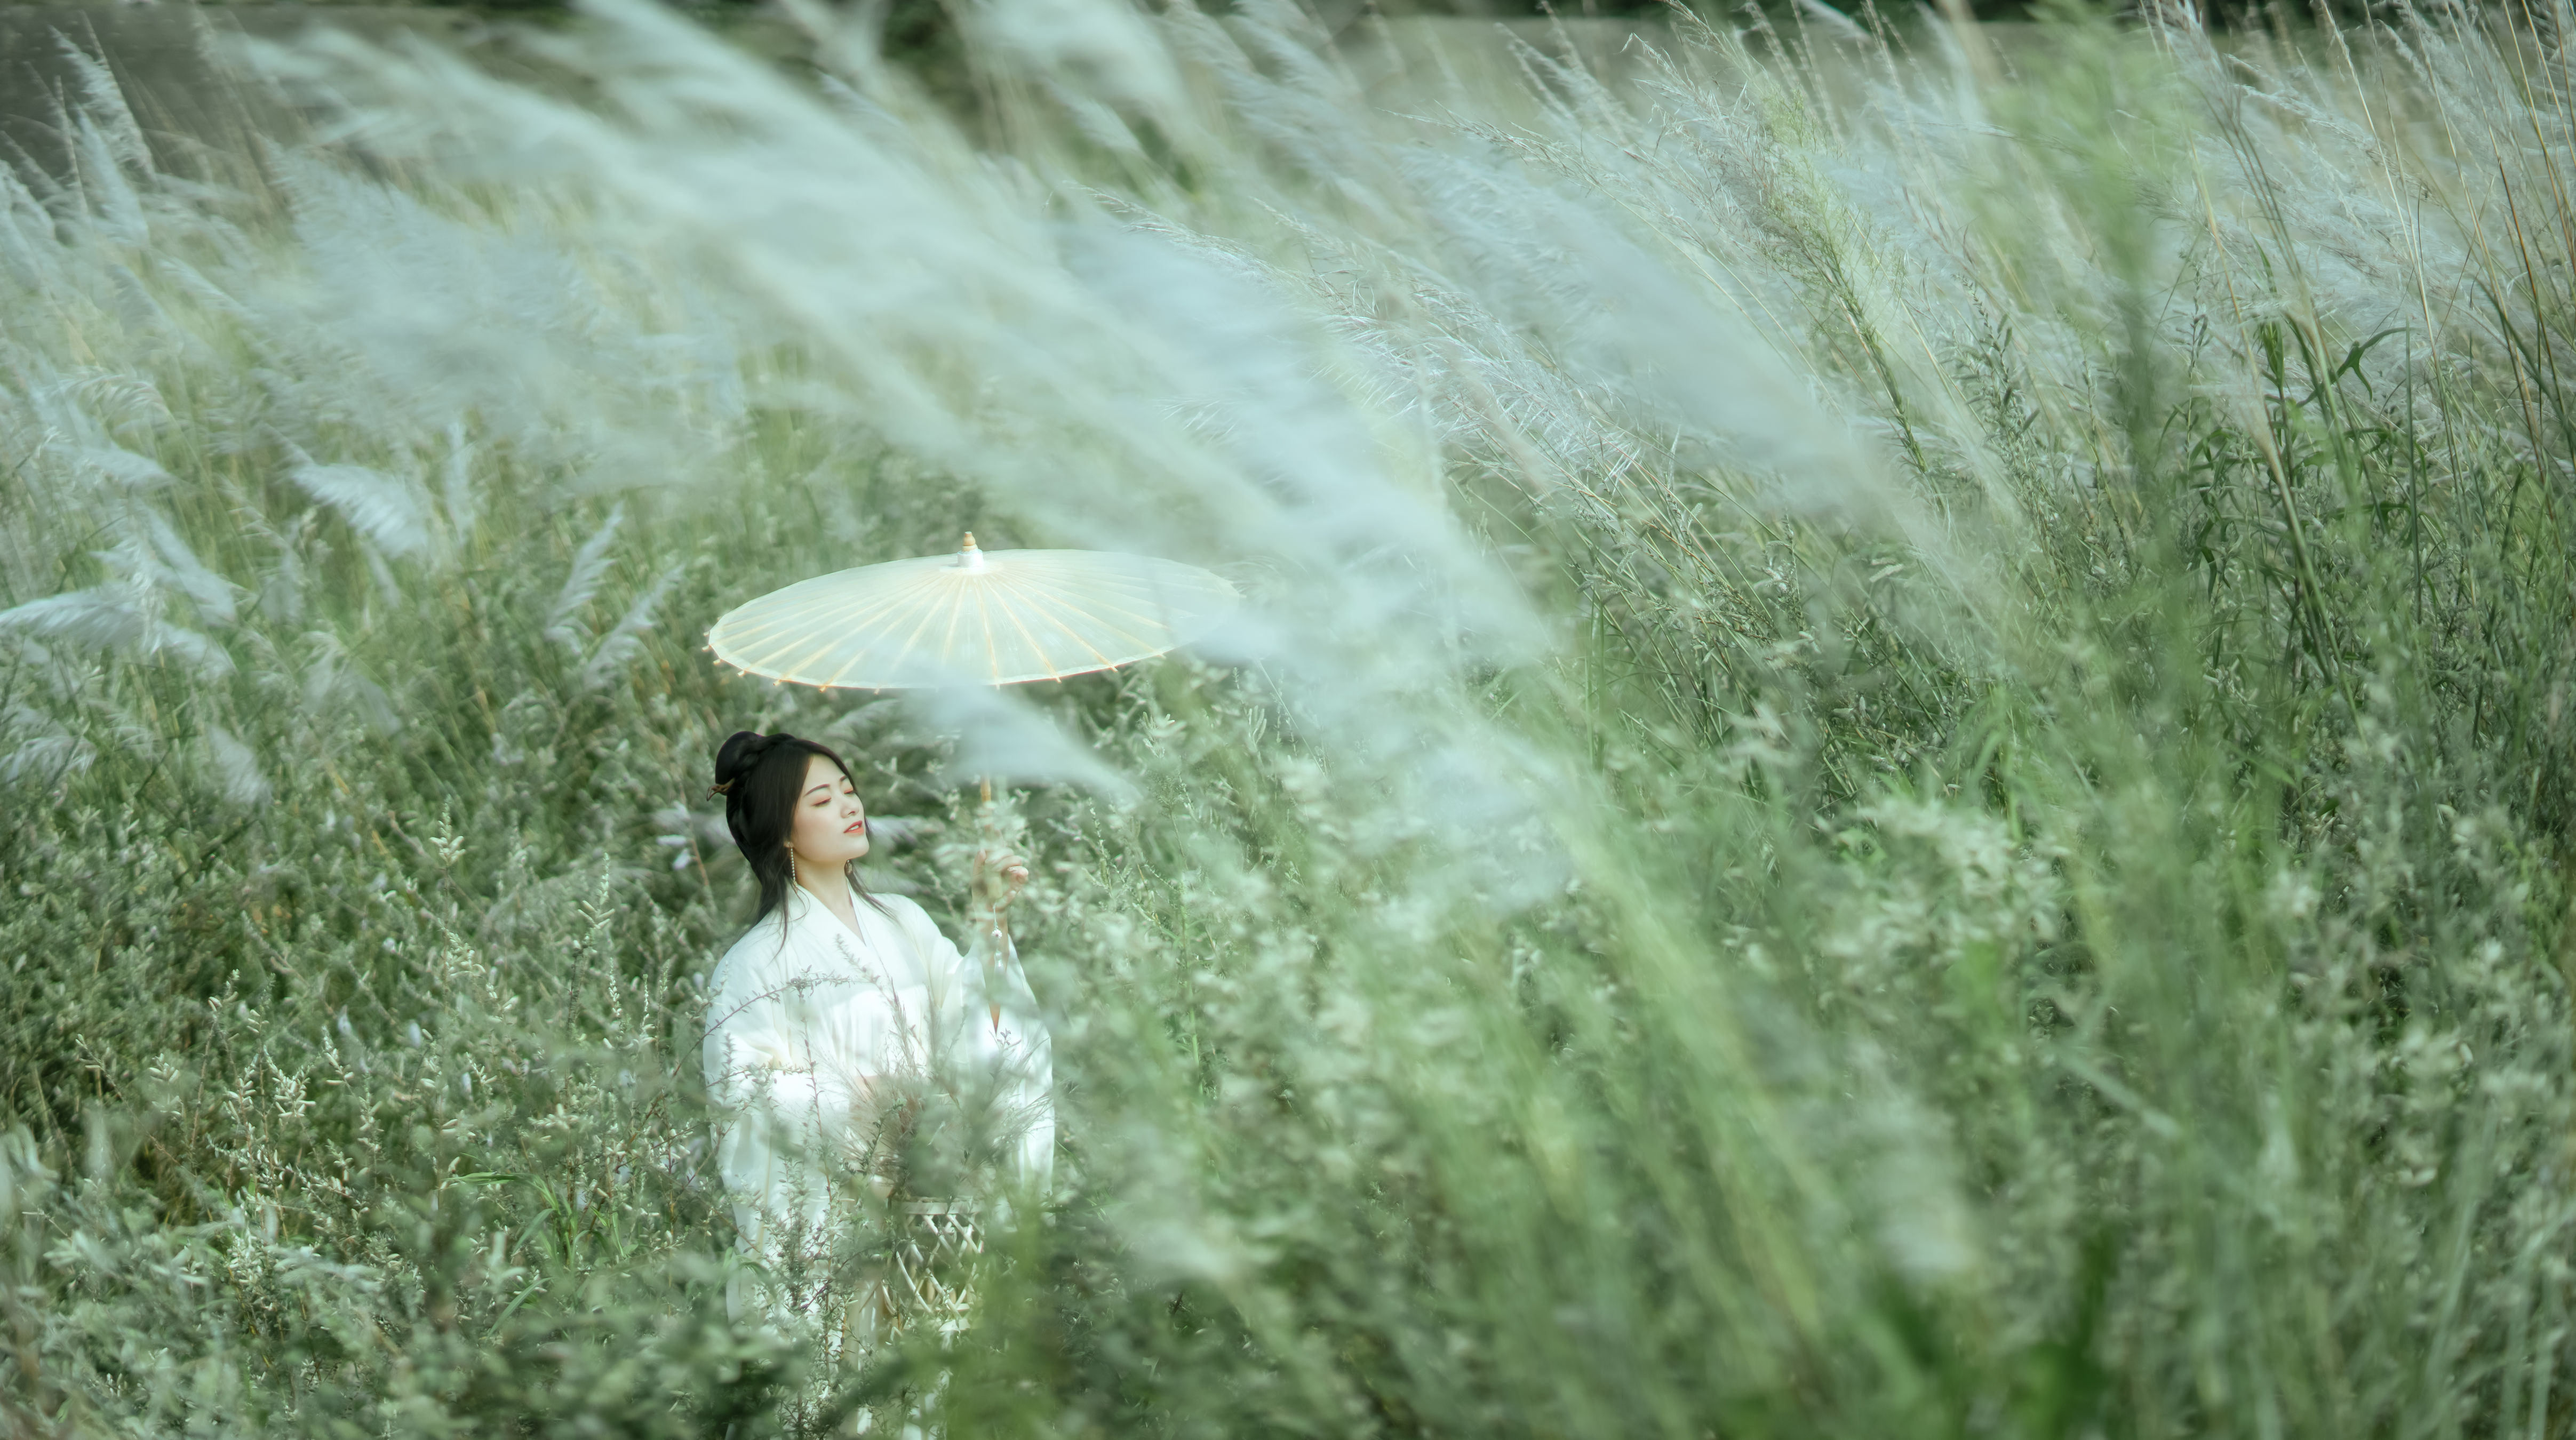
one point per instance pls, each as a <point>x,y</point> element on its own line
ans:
<point>1900,764</point>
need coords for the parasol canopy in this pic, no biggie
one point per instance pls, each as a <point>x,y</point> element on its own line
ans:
<point>1001,618</point>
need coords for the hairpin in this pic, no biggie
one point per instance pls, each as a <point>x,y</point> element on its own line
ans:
<point>725,789</point>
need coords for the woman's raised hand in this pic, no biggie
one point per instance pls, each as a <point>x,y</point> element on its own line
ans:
<point>998,876</point>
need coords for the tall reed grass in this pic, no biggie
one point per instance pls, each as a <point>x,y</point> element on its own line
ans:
<point>1900,763</point>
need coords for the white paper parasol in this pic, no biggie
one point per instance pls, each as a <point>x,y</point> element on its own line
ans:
<point>1002,618</point>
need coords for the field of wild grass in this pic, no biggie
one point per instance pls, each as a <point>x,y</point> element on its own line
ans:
<point>1899,764</point>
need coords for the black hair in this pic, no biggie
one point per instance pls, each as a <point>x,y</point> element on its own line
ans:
<point>761,777</point>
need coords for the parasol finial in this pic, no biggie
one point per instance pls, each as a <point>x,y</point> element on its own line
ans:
<point>968,556</point>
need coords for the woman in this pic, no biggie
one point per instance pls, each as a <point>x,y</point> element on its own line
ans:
<point>845,1034</point>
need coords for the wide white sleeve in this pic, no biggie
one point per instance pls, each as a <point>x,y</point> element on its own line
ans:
<point>785,1094</point>
<point>995,1044</point>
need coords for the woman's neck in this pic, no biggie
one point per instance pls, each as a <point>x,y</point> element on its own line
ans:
<point>830,886</point>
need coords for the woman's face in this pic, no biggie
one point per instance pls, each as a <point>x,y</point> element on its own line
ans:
<point>831,825</point>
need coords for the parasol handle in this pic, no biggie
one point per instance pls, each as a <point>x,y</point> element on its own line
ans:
<point>998,944</point>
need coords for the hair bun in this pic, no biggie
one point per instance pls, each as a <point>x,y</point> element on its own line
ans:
<point>740,751</point>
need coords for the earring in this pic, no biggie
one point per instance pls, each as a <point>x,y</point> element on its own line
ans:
<point>793,878</point>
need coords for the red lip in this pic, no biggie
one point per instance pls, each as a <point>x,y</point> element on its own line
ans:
<point>854,827</point>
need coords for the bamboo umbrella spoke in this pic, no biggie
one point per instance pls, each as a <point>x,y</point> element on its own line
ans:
<point>1059,610</point>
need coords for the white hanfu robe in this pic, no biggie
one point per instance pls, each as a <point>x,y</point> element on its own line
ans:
<point>810,1025</point>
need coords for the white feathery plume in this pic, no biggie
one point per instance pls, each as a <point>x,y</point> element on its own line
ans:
<point>124,469</point>
<point>40,746</point>
<point>126,613</point>
<point>235,767</point>
<point>464,506</point>
<point>213,595</point>
<point>333,682</point>
<point>1841,26</point>
<point>391,512</point>
<point>1006,738</point>
<point>589,567</point>
<point>625,638</point>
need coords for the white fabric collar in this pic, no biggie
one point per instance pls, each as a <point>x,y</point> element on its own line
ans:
<point>801,904</point>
